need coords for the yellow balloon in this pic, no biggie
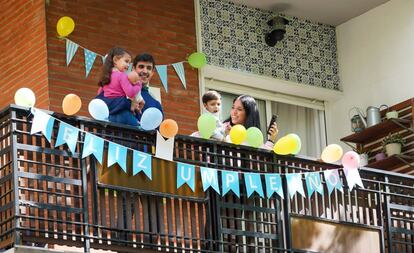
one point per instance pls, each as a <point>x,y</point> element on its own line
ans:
<point>25,97</point>
<point>285,145</point>
<point>65,26</point>
<point>332,153</point>
<point>71,104</point>
<point>238,134</point>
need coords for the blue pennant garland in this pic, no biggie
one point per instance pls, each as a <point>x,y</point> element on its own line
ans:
<point>67,134</point>
<point>142,162</point>
<point>274,184</point>
<point>179,69</point>
<point>294,182</point>
<point>313,183</point>
<point>230,181</point>
<point>253,183</point>
<point>333,181</point>
<point>117,154</point>
<point>93,145</point>
<point>185,174</point>
<point>162,72</point>
<point>89,60</point>
<point>42,122</point>
<point>209,178</point>
<point>71,48</point>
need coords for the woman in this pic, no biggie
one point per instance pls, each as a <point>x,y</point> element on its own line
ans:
<point>244,112</point>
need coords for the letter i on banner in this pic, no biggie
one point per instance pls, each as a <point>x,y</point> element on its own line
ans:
<point>185,174</point>
<point>230,181</point>
<point>117,154</point>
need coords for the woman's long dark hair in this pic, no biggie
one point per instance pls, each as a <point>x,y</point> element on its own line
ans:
<point>109,64</point>
<point>252,112</point>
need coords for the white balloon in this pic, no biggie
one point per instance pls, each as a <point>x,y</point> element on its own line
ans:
<point>98,109</point>
<point>25,97</point>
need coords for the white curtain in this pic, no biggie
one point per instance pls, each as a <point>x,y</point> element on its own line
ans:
<point>308,123</point>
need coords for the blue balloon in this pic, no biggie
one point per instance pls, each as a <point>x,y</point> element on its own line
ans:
<point>98,109</point>
<point>151,118</point>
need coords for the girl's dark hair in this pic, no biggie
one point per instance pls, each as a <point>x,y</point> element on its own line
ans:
<point>252,112</point>
<point>109,64</point>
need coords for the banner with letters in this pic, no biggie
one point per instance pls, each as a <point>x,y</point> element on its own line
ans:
<point>221,181</point>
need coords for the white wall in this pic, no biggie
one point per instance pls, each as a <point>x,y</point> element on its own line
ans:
<point>376,62</point>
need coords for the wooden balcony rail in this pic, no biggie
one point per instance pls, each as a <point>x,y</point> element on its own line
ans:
<point>49,195</point>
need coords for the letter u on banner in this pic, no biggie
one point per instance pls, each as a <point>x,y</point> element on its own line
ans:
<point>185,174</point>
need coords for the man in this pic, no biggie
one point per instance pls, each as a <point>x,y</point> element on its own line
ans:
<point>144,65</point>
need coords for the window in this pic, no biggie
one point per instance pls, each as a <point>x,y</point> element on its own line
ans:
<point>307,122</point>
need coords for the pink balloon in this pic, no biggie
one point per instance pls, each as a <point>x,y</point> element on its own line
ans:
<point>351,160</point>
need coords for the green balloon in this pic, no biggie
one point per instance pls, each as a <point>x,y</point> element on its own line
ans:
<point>206,125</point>
<point>254,137</point>
<point>197,60</point>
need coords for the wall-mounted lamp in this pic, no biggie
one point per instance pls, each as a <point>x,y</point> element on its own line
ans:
<point>278,25</point>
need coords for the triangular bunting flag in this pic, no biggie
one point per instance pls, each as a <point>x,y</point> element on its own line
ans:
<point>294,182</point>
<point>185,174</point>
<point>353,178</point>
<point>42,122</point>
<point>93,145</point>
<point>71,48</point>
<point>117,154</point>
<point>103,58</point>
<point>162,72</point>
<point>274,184</point>
<point>164,149</point>
<point>230,181</point>
<point>179,68</point>
<point>209,178</point>
<point>313,183</point>
<point>89,60</point>
<point>332,180</point>
<point>253,184</point>
<point>142,162</point>
<point>67,134</point>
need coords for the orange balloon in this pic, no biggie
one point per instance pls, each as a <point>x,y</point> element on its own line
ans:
<point>168,128</point>
<point>71,104</point>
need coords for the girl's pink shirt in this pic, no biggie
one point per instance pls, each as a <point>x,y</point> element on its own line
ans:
<point>120,86</point>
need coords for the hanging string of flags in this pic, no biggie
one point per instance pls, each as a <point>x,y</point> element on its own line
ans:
<point>90,57</point>
<point>117,154</point>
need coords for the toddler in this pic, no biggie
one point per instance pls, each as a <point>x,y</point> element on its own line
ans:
<point>212,104</point>
<point>115,87</point>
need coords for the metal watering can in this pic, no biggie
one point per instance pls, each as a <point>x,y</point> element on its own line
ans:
<point>373,117</point>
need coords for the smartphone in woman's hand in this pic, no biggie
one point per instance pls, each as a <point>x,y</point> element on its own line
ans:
<point>273,120</point>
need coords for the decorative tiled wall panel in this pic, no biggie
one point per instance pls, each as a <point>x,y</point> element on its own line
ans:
<point>233,38</point>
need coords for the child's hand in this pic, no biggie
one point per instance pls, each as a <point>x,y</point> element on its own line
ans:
<point>227,128</point>
<point>140,105</point>
<point>133,77</point>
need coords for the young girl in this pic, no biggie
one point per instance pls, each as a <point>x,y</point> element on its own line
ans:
<point>115,88</point>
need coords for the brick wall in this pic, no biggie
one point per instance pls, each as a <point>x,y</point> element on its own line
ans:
<point>23,61</point>
<point>164,28</point>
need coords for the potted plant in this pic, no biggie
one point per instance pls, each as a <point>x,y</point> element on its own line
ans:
<point>393,144</point>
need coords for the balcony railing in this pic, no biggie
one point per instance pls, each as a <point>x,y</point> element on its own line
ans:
<point>49,195</point>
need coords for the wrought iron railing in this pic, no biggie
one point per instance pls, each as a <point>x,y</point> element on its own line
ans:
<point>49,195</point>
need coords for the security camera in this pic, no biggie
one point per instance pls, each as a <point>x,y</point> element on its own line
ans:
<point>278,30</point>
